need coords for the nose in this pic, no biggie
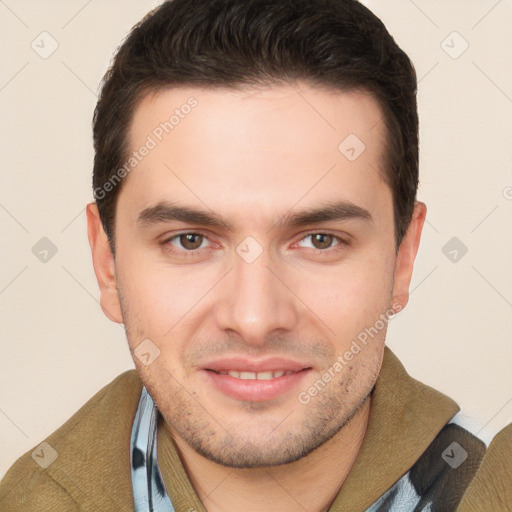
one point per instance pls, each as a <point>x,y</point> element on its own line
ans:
<point>256,301</point>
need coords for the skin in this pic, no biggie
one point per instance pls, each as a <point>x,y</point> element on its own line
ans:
<point>251,156</point>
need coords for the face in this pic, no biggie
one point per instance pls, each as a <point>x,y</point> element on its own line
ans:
<point>249,243</point>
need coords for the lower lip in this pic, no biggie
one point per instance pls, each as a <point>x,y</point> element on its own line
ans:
<point>255,390</point>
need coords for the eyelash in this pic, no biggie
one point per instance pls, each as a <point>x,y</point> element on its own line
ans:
<point>168,246</point>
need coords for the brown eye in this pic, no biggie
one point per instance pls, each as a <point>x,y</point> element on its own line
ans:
<point>322,240</point>
<point>188,245</point>
<point>323,243</point>
<point>190,241</point>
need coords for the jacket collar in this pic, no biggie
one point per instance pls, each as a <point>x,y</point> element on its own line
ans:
<point>405,417</point>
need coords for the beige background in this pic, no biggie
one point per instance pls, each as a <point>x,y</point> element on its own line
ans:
<point>56,347</point>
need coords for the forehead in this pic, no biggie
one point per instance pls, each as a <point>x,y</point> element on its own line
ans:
<point>256,148</point>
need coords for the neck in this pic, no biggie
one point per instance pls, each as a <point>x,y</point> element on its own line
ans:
<point>310,483</point>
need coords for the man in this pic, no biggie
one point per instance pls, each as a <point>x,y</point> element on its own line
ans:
<point>255,229</point>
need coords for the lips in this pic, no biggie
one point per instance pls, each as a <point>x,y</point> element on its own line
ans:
<point>253,380</point>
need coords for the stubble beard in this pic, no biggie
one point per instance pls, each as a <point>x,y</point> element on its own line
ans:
<point>256,443</point>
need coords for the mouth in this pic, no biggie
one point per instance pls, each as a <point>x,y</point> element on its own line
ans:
<point>256,386</point>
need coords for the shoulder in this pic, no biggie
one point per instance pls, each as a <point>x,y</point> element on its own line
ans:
<point>74,467</point>
<point>25,488</point>
<point>492,484</point>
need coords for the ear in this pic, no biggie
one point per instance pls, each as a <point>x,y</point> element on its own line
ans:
<point>104,266</point>
<point>406,256</point>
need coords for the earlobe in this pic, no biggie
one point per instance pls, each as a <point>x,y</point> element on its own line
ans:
<point>104,265</point>
<point>406,256</point>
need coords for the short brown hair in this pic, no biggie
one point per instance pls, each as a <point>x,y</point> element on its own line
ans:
<point>338,44</point>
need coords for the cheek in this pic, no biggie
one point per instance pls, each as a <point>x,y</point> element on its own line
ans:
<point>351,296</point>
<point>158,299</point>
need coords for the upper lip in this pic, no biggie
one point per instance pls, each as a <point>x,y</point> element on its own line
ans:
<point>242,364</point>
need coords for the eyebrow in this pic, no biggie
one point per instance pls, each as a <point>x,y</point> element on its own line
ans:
<point>165,212</point>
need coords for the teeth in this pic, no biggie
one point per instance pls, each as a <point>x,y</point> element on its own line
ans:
<point>267,375</point>
<point>258,376</point>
